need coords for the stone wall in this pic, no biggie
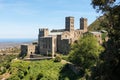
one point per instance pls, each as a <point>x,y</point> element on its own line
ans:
<point>47,45</point>
<point>28,49</point>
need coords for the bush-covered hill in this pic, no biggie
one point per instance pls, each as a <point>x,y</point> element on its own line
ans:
<point>96,25</point>
<point>15,69</point>
<point>40,70</point>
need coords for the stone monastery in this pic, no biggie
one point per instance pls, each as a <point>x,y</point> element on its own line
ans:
<point>58,40</point>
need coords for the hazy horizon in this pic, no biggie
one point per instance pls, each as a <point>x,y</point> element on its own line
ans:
<point>16,40</point>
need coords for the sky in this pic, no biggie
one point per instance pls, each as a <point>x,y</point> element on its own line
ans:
<point>23,18</point>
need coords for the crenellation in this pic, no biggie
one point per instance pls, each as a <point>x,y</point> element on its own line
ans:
<point>43,32</point>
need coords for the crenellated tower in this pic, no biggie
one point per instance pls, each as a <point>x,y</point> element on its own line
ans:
<point>43,32</point>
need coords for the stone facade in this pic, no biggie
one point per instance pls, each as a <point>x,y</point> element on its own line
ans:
<point>47,45</point>
<point>69,23</point>
<point>83,24</point>
<point>28,49</point>
<point>58,40</point>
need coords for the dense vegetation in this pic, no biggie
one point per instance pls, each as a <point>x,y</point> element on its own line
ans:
<point>5,62</point>
<point>35,70</point>
<point>40,70</point>
<point>109,67</point>
<point>85,53</point>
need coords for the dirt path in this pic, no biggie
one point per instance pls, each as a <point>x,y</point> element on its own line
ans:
<point>64,61</point>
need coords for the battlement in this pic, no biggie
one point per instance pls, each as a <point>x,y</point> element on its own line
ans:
<point>43,32</point>
<point>43,29</point>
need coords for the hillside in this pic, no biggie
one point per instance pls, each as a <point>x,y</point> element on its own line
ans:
<point>40,70</point>
<point>34,70</point>
<point>96,25</point>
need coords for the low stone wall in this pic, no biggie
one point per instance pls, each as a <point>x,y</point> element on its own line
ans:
<point>40,58</point>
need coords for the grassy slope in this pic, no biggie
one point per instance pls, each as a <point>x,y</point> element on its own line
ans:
<point>48,70</point>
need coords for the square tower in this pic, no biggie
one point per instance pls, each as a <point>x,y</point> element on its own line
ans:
<point>69,23</point>
<point>83,24</point>
<point>43,32</point>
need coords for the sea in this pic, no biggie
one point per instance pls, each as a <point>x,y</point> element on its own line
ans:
<point>4,40</point>
<point>8,43</point>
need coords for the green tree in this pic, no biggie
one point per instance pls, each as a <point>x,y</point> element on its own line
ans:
<point>57,59</point>
<point>109,68</point>
<point>85,52</point>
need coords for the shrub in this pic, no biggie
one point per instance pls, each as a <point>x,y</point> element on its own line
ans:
<point>28,67</point>
<point>7,66</point>
<point>57,59</point>
<point>65,57</point>
<point>3,70</point>
<point>21,74</point>
<point>25,72</point>
<point>31,78</point>
<point>40,75</point>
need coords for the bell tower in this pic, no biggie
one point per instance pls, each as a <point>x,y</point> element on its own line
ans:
<point>69,23</point>
<point>83,24</point>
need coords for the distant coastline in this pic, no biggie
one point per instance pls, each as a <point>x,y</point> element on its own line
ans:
<point>8,43</point>
<point>16,40</point>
